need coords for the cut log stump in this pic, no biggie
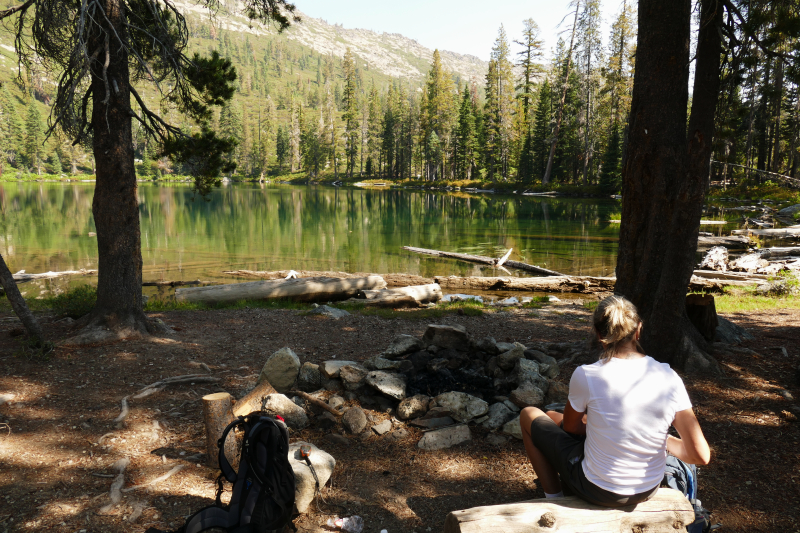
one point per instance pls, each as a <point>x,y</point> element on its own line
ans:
<point>253,400</point>
<point>703,314</point>
<point>667,512</point>
<point>216,415</point>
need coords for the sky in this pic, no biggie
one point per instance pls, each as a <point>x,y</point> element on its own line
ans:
<point>465,26</point>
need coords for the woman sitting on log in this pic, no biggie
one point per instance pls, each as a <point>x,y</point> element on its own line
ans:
<point>610,445</point>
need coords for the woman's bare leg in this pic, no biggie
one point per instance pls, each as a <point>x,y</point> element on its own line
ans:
<point>547,474</point>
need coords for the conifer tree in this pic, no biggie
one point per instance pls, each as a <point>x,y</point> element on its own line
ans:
<point>610,175</point>
<point>542,127</point>
<point>374,131</point>
<point>440,110</point>
<point>467,144</point>
<point>295,134</point>
<point>55,164</point>
<point>230,126</point>
<point>529,61</point>
<point>331,130</point>
<point>350,117</point>
<point>282,147</point>
<point>498,109</point>
<point>34,137</point>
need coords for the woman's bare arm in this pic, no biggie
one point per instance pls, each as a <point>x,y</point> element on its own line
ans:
<point>692,447</point>
<point>574,422</point>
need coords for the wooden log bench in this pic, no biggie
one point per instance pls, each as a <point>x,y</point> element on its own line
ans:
<point>666,512</point>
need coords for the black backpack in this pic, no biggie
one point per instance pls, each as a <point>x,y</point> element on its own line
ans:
<point>263,488</point>
<point>683,478</point>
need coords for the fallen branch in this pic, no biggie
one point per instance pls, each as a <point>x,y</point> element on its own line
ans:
<point>115,491</point>
<point>161,385</point>
<point>22,277</point>
<point>314,401</point>
<point>156,481</point>
<point>483,260</point>
<point>123,413</point>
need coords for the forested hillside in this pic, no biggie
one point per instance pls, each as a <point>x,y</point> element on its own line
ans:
<point>326,101</point>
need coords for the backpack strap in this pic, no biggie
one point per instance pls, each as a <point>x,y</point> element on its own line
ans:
<point>224,464</point>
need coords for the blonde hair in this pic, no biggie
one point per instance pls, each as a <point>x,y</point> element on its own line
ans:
<point>615,321</point>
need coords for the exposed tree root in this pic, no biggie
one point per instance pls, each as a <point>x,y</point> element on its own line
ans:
<point>97,328</point>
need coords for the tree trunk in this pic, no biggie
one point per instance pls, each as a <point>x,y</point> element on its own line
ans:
<point>703,314</point>
<point>666,177</point>
<point>216,416</point>
<point>18,303</point>
<point>115,206</point>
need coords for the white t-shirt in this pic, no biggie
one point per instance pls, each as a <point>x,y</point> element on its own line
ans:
<point>629,405</point>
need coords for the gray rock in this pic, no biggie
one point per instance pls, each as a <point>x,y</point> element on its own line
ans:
<point>491,366</point>
<point>528,372</point>
<point>488,345</point>
<point>430,423</point>
<point>512,428</point>
<point>499,414</point>
<point>444,438</point>
<point>281,370</point>
<point>381,363</point>
<point>330,369</point>
<point>354,420</point>
<point>350,396</point>
<point>392,385</point>
<point>413,407</point>
<point>496,440</point>
<point>294,415</point>
<point>432,349</point>
<point>310,378</point>
<point>402,345</point>
<point>330,312</point>
<point>400,434</point>
<point>420,359</point>
<point>527,395</point>
<point>510,405</point>
<point>383,427</point>
<point>730,333</point>
<point>544,359</point>
<point>454,337</point>
<point>335,438</point>
<point>505,346</point>
<point>353,377</point>
<point>336,401</point>
<point>508,359</point>
<point>462,406</point>
<point>304,480</point>
<point>325,420</point>
<point>332,385</point>
<point>299,401</point>
<point>789,211</point>
<point>557,392</point>
<point>434,365</point>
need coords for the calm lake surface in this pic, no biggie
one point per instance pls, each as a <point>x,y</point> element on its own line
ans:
<point>49,226</point>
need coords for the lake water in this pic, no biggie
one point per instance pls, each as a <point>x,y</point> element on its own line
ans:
<point>49,226</point>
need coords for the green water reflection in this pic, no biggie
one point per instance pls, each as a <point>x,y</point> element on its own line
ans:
<point>49,226</point>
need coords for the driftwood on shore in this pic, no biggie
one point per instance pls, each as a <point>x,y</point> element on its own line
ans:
<point>392,280</point>
<point>420,293</point>
<point>175,283</point>
<point>735,242</point>
<point>22,276</point>
<point>298,290</point>
<point>574,284</point>
<point>483,260</point>
<point>791,231</point>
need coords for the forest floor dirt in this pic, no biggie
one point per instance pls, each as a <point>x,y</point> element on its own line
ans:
<point>58,438</point>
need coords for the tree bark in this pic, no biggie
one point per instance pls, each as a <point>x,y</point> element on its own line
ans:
<point>18,303</point>
<point>665,177</point>
<point>703,314</point>
<point>115,205</point>
<point>216,416</point>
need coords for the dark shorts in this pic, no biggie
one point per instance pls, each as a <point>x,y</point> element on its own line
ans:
<point>565,452</point>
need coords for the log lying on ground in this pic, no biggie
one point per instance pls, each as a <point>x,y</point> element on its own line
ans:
<point>217,414</point>
<point>732,243</point>
<point>791,231</point>
<point>252,400</point>
<point>483,260</point>
<point>299,290</point>
<point>733,276</point>
<point>387,301</point>
<point>21,276</point>
<point>575,284</point>
<point>767,253</point>
<point>421,293</point>
<point>392,280</point>
<point>175,283</point>
<point>666,512</point>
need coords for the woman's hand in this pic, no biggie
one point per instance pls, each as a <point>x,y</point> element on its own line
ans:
<point>692,447</point>
<point>574,422</point>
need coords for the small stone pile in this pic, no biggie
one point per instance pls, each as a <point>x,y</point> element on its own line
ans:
<point>443,382</point>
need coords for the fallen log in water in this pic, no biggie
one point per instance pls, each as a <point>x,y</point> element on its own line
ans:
<point>420,293</point>
<point>175,283</point>
<point>735,242</point>
<point>22,277</point>
<point>574,284</point>
<point>392,280</point>
<point>298,290</point>
<point>666,512</point>
<point>791,231</point>
<point>483,260</point>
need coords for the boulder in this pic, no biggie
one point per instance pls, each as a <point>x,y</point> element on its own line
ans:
<point>510,405</point>
<point>499,414</point>
<point>281,370</point>
<point>381,363</point>
<point>325,420</point>
<point>294,415</point>
<point>508,359</point>
<point>454,337</point>
<point>402,345</point>
<point>730,333</point>
<point>353,377</point>
<point>354,420</point>
<point>383,427</point>
<point>496,440</point>
<point>304,480</point>
<point>488,345</point>
<point>527,395</point>
<point>392,385</point>
<point>420,359</point>
<point>335,438</point>
<point>336,401</point>
<point>512,428</point>
<point>334,385</point>
<point>435,365</point>
<point>503,347</point>
<point>330,369</point>
<point>462,406</point>
<point>557,392</point>
<point>789,211</point>
<point>444,438</point>
<point>413,407</point>
<point>543,359</point>
<point>330,312</point>
<point>310,378</point>
<point>528,372</point>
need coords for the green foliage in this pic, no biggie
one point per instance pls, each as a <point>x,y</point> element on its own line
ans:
<point>75,303</point>
<point>34,137</point>
<point>611,174</point>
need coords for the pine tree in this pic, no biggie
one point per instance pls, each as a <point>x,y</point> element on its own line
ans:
<point>34,137</point>
<point>529,61</point>
<point>590,45</point>
<point>440,111</point>
<point>230,126</point>
<point>282,147</point>
<point>374,131</point>
<point>331,131</point>
<point>350,117</point>
<point>467,138</point>
<point>611,174</point>
<point>542,127</point>
<point>498,109</point>
<point>55,164</point>
<point>295,134</point>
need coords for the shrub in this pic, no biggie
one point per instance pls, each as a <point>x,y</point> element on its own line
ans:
<point>76,302</point>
